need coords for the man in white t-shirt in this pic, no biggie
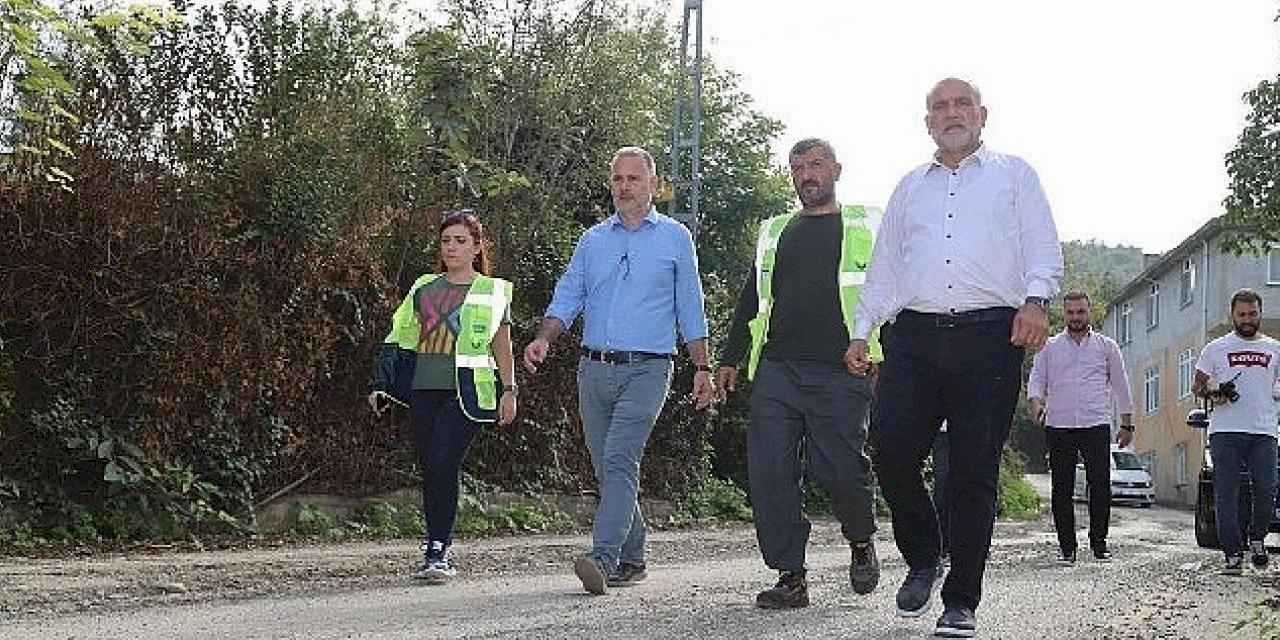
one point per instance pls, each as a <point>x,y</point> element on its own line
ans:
<point>1244,367</point>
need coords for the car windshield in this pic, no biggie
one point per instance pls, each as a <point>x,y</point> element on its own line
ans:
<point>1126,461</point>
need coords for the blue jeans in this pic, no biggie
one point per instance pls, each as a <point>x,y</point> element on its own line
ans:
<point>619,404</point>
<point>1232,453</point>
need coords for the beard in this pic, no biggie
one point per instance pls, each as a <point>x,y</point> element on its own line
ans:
<point>633,204</point>
<point>956,140</point>
<point>1077,326</point>
<point>1246,329</point>
<point>815,197</point>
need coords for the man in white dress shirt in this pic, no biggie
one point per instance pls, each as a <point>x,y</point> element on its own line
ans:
<point>964,267</point>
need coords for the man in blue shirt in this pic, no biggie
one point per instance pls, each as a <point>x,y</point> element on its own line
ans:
<point>634,279</point>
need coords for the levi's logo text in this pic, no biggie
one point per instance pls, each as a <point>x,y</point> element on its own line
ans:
<point>1248,359</point>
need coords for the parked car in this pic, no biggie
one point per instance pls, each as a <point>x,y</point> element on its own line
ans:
<point>1130,482</point>
<point>1206,512</point>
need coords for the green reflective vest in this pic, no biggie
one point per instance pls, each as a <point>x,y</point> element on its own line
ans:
<point>855,253</point>
<point>479,319</point>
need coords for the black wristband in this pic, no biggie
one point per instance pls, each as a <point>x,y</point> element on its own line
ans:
<point>1127,427</point>
<point>702,367</point>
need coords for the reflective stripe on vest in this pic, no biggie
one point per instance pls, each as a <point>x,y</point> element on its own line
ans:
<point>858,238</point>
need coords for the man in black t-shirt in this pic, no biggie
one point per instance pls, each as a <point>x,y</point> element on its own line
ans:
<point>808,410</point>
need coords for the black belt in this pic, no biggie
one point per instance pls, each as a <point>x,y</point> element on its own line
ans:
<point>946,320</point>
<point>622,357</point>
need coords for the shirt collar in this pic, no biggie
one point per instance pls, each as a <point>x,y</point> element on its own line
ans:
<point>615,220</point>
<point>1088,335</point>
<point>981,155</point>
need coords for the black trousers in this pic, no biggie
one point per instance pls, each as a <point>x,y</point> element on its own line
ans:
<point>941,466</point>
<point>1065,446</point>
<point>968,374</point>
<point>442,434</point>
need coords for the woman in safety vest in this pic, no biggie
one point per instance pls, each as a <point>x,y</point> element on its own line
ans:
<point>448,359</point>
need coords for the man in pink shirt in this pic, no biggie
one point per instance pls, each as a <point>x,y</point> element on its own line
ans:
<point>1073,381</point>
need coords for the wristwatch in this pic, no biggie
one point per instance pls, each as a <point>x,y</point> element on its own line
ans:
<point>1127,427</point>
<point>511,389</point>
<point>702,367</point>
<point>1043,303</point>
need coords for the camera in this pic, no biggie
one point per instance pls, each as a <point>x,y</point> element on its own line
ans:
<point>1228,390</point>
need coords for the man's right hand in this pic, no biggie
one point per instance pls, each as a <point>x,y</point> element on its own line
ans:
<point>534,353</point>
<point>1037,411</point>
<point>726,380</point>
<point>855,358</point>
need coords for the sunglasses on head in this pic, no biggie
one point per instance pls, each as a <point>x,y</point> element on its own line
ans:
<point>459,214</point>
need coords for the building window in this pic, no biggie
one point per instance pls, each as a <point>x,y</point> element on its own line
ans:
<point>1187,284</point>
<point>1273,265</point>
<point>1151,389</point>
<point>1153,305</point>
<point>1186,373</point>
<point>1180,463</point>
<point>1124,334</point>
<point>1151,462</point>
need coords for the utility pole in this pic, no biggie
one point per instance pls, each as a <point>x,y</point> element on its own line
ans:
<point>686,129</point>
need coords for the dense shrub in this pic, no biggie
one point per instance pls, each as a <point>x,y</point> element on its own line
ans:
<point>254,191</point>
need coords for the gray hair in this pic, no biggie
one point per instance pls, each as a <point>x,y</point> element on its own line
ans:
<point>973,88</point>
<point>809,143</point>
<point>635,152</point>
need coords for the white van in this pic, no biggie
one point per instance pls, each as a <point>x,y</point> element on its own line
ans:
<point>1130,481</point>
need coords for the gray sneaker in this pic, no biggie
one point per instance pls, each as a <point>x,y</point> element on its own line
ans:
<point>628,574</point>
<point>916,591</point>
<point>1258,554</point>
<point>592,575</point>
<point>956,622</point>
<point>436,567</point>
<point>864,567</point>
<point>1234,566</point>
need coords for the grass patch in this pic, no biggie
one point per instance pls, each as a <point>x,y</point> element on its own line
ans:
<point>717,499</point>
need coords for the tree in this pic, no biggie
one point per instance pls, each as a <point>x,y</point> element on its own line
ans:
<point>1253,206</point>
<point>36,120</point>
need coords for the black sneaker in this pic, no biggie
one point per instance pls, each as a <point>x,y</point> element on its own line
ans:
<point>1100,551</point>
<point>956,622</point>
<point>628,575</point>
<point>592,575</point>
<point>1067,557</point>
<point>914,594</point>
<point>1234,566</point>
<point>1258,554</point>
<point>436,567</point>
<point>864,567</point>
<point>791,592</point>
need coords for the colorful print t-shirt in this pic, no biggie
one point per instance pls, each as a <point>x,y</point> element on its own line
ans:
<point>439,305</point>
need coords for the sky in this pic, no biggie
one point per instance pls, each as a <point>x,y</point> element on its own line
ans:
<point>1126,108</point>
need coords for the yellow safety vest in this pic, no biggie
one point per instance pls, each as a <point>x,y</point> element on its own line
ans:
<point>479,319</point>
<point>860,224</point>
